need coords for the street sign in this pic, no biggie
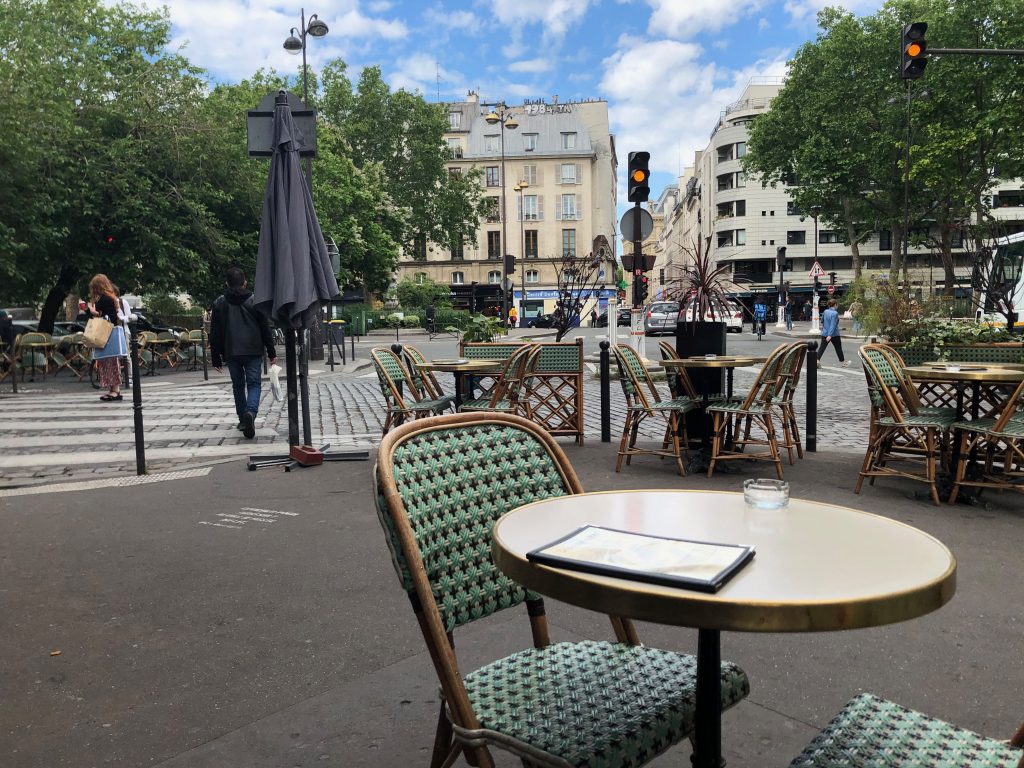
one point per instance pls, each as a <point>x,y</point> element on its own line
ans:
<point>646,225</point>
<point>831,289</point>
<point>816,271</point>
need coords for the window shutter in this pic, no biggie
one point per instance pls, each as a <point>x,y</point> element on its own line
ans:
<point>579,173</point>
<point>519,207</point>
<point>538,172</point>
<point>579,207</point>
<point>558,207</point>
<point>540,208</point>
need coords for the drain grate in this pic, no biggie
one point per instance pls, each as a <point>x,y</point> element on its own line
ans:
<point>110,482</point>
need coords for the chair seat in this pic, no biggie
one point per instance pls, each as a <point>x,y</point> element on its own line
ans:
<point>873,731</point>
<point>921,420</point>
<point>734,407</point>
<point>595,703</point>
<point>935,410</point>
<point>484,404</point>
<point>1014,429</point>
<point>683,404</point>
<point>432,405</point>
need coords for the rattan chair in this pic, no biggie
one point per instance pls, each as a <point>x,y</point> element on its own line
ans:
<point>908,389</point>
<point>644,401</point>
<point>871,731</point>
<point>401,397</point>
<point>1001,440</point>
<point>505,395</point>
<point>424,381</point>
<point>790,367</point>
<point>33,358</point>
<point>900,437</point>
<point>754,410</point>
<point>442,484</point>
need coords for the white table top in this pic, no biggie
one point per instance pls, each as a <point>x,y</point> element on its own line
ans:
<point>818,567</point>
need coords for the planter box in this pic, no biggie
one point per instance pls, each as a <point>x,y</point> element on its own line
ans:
<point>1001,352</point>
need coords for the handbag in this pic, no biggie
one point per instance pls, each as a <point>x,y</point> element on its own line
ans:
<point>97,332</point>
<point>115,346</point>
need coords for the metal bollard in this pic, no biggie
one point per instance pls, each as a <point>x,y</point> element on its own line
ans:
<point>606,399</point>
<point>397,349</point>
<point>353,347</point>
<point>811,428</point>
<point>140,438</point>
<point>206,372</point>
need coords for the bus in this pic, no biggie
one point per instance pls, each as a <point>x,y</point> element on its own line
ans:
<point>998,282</point>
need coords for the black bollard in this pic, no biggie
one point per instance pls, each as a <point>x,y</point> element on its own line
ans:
<point>140,438</point>
<point>397,349</point>
<point>353,347</point>
<point>206,372</point>
<point>811,428</point>
<point>606,398</point>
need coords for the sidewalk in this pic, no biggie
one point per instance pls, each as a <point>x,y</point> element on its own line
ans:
<point>253,619</point>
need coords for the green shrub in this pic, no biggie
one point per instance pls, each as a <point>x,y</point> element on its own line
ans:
<point>411,321</point>
<point>482,329</point>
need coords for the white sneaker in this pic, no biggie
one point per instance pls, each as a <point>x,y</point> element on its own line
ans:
<point>846,364</point>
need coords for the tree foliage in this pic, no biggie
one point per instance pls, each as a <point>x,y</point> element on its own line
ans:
<point>421,294</point>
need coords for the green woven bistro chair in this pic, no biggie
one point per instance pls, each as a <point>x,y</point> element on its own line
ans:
<point>506,394</point>
<point>755,410</point>
<point>1001,440</point>
<point>908,389</point>
<point>424,381</point>
<point>403,401</point>
<point>873,732</point>
<point>789,369</point>
<point>442,484</point>
<point>643,401</point>
<point>900,439</point>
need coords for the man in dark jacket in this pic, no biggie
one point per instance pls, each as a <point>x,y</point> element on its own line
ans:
<point>239,335</point>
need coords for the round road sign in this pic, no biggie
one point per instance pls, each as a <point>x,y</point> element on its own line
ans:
<point>626,225</point>
<point>831,289</point>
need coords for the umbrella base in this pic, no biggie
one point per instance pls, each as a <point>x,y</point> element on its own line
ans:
<point>304,456</point>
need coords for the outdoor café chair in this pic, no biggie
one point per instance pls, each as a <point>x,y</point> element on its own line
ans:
<point>644,401</point>
<point>1002,441</point>
<point>64,355</point>
<point>871,731</point>
<point>442,483</point>
<point>197,343</point>
<point>7,366</point>
<point>679,382</point>
<point>505,395</point>
<point>754,410</point>
<point>900,439</point>
<point>791,365</point>
<point>909,392</point>
<point>167,351</point>
<point>401,397</point>
<point>31,357</point>
<point>426,382</point>
<point>147,356</point>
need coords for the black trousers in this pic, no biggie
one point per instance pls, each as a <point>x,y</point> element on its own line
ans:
<point>837,342</point>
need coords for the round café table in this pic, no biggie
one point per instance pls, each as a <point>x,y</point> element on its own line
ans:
<point>460,367</point>
<point>729,362</point>
<point>817,568</point>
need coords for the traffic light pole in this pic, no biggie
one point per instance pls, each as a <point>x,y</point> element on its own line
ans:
<point>637,314</point>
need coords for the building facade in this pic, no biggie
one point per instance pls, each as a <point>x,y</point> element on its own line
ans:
<point>550,191</point>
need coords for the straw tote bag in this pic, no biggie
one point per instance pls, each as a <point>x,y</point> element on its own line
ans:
<point>97,332</point>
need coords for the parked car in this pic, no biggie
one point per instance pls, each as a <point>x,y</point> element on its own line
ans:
<point>661,317</point>
<point>20,313</point>
<point>730,313</point>
<point>622,313</point>
<point>59,328</point>
<point>540,321</point>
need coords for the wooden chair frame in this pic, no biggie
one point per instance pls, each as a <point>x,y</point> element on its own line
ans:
<point>458,728</point>
<point>792,365</point>
<point>993,440</point>
<point>398,406</point>
<point>32,337</point>
<point>506,394</point>
<point>427,383</point>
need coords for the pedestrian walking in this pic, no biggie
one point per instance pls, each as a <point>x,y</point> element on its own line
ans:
<point>788,308</point>
<point>830,334</point>
<point>513,317</point>
<point>430,314</point>
<point>108,362</point>
<point>239,335</point>
<point>593,318</point>
<point>856,313</point>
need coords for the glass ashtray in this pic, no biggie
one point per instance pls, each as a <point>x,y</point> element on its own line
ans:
<point>764,493</point>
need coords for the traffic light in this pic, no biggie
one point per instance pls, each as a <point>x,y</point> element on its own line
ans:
<point>638,187</point>
<point>780,258</point>
<point>914,52</point>
<point>817,284</point>
<point>644,289</point>
<point>510,263</point>
<point>831,278</point>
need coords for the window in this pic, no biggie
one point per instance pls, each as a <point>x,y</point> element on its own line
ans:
<point>567,208</point>
<point>725,153</point>
<point>529,141</point>
<point>741,149</point>
<point>792,210</point>
<point>725,239</point>
<point>494,245</point>
<point>726,182</point>
<point>493,175</point>
<point>741,237</point>
<point>568,243</point>
<point>494,277</point>
<point>530,175</point>
<point>568,173</point>
<point>458,278</point>
<point>741,207</point>
<point>421,278</point>
<point>568,141</point>
<point>885,240</point>
<point>532,276</point>
<point>531,208</point>
<point>454,120</point>
<point>491,212</point>
<point>455,147</point>
<point>530,243</point>
<point>458,251</point>
<point>796,237</point>
<point>455,173</point>
<point>419,247</point>
<point>829,236</point>
<point>492,143</point>
<point>741,179</point>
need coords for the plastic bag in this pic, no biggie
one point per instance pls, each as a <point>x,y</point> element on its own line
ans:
<point>275,381</point>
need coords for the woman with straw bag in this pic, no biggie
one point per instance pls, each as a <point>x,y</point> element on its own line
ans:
<point>108,362</point>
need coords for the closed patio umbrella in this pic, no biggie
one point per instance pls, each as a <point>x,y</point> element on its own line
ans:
<point>293,268</point>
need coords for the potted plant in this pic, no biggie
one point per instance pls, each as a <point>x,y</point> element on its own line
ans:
<point>704,289</point>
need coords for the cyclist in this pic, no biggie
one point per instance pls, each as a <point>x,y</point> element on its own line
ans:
<point>760,314</point>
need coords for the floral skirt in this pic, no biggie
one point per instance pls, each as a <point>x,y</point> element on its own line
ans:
<point>110,372</point>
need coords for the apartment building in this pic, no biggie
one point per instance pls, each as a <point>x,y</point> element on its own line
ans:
<point>550,194</point>
<point>746,222</point>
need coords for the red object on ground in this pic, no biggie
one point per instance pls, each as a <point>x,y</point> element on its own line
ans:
<point>306,455</point>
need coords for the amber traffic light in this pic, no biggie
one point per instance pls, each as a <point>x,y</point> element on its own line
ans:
<point>914,53</point>
<point>638,190</point>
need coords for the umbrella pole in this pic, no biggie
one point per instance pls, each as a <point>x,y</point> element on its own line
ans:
<point>304,387</point>
<point>293,404</point>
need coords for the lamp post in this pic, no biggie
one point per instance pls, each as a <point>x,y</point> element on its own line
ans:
<point>295,44</point>
<point>780,262</point>
<point>505,119</point>
<point>522,239</point>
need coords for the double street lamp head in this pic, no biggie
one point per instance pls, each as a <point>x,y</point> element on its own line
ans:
<point>297,40</point>
<point>507,121</point>
<point>294,43</point>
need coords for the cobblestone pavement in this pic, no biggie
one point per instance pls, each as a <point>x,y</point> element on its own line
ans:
<point>48,436</point>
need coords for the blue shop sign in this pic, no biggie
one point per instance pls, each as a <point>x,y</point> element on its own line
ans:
<point>603,293</point>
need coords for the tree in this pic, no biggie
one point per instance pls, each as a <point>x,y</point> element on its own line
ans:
<point>413,293</point>
<point>577,279</point>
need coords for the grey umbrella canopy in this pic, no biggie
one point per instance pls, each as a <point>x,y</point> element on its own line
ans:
<point>293,268</point>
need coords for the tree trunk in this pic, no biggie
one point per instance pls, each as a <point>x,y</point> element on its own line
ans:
<point>897,254</point>
<point>55,298</point>
<point>851,236</point>
<point>946,255</point>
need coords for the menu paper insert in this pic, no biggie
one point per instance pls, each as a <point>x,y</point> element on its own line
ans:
<point>700,565</point>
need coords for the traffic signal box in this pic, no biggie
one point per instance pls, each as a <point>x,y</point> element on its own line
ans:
<point>641,287</point>
<point>638,188</point>
<point>914,52</point>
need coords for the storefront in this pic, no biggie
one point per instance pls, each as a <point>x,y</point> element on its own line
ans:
<point>544,300</point>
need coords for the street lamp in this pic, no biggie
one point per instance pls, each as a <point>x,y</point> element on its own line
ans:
<point>815,323</point>
<point>522,238</point>
<point>505,119</point>
<point>296,44</point>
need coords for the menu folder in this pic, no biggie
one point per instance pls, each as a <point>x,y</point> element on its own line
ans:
<point>703,566</point>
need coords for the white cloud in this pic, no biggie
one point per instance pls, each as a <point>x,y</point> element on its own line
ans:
<point>420,72</point>
<point>665,98</point>
<point>807,10</point>
<point>234,38</point>
<point>685,18</point>
<point>553,16</point>
<point>450,20</point>
<point>763,24</point>
<point>530,65</point>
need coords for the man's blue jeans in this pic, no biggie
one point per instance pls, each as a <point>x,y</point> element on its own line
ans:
<point>245,382</point>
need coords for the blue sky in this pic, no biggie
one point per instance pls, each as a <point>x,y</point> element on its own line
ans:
<point>666,67</point>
